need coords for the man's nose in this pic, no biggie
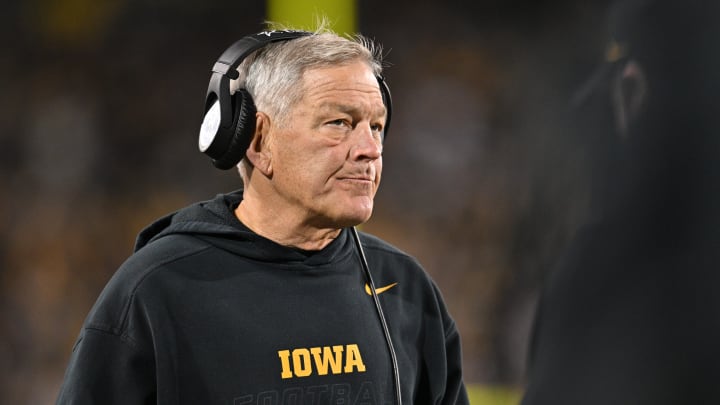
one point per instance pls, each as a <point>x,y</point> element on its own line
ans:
<point>368,143</point>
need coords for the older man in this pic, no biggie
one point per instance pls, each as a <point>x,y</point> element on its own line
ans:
<point>267,295</point>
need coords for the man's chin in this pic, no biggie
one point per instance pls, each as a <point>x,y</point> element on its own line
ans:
<point>354,218</point>
<point>354,221</point>
<point>347,212</point>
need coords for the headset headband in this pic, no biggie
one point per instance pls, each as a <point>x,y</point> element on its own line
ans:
<point>225,69</point>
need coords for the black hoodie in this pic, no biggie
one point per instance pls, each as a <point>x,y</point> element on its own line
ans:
<point>207,312</point>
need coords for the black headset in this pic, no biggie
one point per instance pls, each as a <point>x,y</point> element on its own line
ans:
<point>229,121</point>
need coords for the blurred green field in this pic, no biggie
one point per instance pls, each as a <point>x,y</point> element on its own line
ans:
<point>493,395</point>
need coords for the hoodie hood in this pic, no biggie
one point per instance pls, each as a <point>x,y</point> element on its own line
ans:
<point>214,221</point>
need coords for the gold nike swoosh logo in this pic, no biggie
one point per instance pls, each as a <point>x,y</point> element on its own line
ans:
<point>379,290</point>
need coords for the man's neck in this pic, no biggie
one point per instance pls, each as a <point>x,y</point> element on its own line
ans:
<point>282,228</point>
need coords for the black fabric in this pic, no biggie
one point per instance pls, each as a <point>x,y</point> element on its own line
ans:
<point>206,312</point>
<point>625,320</point>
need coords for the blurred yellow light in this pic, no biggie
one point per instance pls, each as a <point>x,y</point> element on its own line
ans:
<point>304,14</point>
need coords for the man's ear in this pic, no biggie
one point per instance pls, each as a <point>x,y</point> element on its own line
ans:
<point>629,90</point>
<point>259,153</point>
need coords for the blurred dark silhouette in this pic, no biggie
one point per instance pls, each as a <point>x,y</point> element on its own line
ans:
<point>631,315</point>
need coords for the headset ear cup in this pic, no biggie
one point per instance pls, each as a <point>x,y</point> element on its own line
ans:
<point>244,131</point>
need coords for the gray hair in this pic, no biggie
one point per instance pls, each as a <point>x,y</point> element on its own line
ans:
<point>273,74</point>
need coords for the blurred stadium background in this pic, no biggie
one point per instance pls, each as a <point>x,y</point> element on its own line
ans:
<point>101,103</point>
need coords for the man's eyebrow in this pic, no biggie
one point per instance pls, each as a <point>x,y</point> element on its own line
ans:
<point>347,108</point>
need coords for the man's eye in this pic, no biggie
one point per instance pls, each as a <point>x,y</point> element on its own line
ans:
<point>338,122</point>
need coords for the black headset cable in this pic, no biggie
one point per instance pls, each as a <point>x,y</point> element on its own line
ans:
<point>381,315</point>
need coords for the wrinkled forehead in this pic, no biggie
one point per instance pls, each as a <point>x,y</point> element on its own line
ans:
<point>313,70</point>
<point>353,76</point>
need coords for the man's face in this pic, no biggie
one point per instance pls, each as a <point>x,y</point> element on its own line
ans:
<point>327,158</point>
